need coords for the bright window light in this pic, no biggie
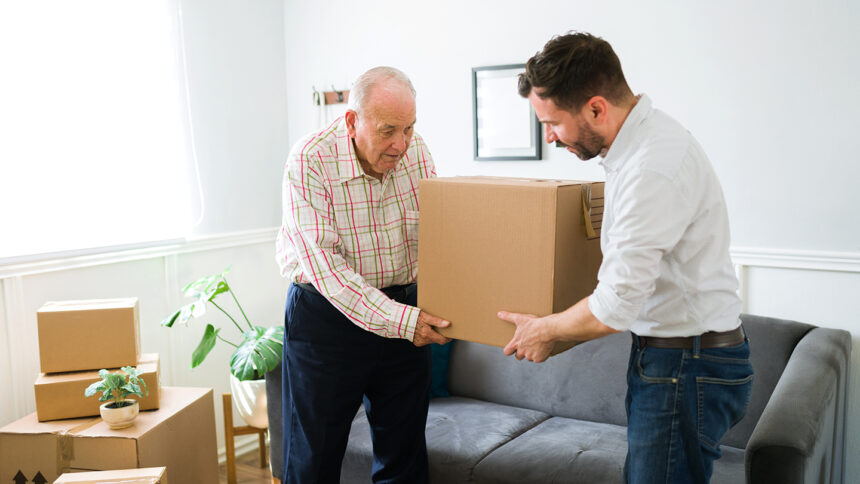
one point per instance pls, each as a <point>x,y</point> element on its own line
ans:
<point>93,135</point>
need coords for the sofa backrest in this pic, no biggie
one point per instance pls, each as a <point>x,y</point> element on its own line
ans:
<point>589,381</point>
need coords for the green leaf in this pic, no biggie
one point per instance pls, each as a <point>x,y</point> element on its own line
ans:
<point>92,389</point>
<point>197,288</point>
<point>259,353</point>
<point>143,386</point>
<point>205,346</point>
<point>169,320</point>
<point>206,288</point>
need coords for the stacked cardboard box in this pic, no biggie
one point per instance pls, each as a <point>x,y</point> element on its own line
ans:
<point>78,338</point>
<point>179,436</point>
<point>488,244</point>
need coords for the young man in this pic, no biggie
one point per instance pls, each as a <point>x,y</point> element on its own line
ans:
<point>666,274</point>
<point>349,245</point>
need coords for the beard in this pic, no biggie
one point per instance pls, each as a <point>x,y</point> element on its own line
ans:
<point>589,145</point>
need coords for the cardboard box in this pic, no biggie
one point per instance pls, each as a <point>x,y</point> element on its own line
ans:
<point>148,475</point>
<point>61,395</point>
<point>69,332</point>
<point>489,244</point>
<point>180,436</point>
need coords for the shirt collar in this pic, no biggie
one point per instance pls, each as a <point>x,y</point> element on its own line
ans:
<point>615,156</point>
<point>348,167</point>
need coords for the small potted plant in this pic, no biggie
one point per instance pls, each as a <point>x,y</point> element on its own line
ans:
<point>120,412</point>
<point>258,352</point>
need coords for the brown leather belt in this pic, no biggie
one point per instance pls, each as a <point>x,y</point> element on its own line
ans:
<point>707,340</point>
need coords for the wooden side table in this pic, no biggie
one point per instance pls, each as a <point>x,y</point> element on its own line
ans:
<point>230,432</point>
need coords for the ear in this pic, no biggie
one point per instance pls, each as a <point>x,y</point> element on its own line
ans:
<point>596,110</point>
<point>351,118</point>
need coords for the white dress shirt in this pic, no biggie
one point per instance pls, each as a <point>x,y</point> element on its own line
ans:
<point>666,267</point>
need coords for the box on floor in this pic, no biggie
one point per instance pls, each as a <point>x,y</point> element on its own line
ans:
<point>66,330</point>
<point>148,475</point>
<point>61,395</point>
<point>488,244</point>
<point>180,436</point>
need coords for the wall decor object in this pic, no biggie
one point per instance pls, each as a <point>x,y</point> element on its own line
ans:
<point>504,124</point>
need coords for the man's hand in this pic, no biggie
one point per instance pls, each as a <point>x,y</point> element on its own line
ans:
<point>424,332</point>
<point>531,340</point>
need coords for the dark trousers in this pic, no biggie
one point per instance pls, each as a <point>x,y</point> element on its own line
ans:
<point>330,366</point>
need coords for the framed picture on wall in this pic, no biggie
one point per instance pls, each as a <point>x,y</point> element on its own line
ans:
<point>504,124</point>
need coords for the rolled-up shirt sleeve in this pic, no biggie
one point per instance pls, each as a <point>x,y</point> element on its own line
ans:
<point>650,216</point>
<point>310,226</point>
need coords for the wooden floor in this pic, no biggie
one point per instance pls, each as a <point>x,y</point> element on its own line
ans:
<point>248,470</point>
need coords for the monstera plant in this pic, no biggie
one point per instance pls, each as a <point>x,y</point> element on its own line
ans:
<point>259,350</point>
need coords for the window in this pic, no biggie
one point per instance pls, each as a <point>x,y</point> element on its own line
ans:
<point>94,149</point>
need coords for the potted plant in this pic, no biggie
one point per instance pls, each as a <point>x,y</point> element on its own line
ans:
<point>258,352</point>
<point>120,412</point>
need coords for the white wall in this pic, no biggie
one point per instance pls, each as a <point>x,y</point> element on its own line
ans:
<point>237,85</point>
<point>769,89</point>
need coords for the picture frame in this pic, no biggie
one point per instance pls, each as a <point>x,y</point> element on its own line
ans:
<point>504,123</point>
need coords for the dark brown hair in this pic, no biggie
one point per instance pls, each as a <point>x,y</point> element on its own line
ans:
<point>573,68</point>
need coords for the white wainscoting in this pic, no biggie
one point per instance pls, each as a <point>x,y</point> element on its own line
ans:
<point>820,288</point>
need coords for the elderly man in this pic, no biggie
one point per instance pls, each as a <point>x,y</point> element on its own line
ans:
<point>666,274</point>
<point>349,245</point>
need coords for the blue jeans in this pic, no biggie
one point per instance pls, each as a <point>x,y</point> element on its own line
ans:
<point>680,403</point>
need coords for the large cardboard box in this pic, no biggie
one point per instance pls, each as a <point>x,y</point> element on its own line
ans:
<point>489,244</point>
<point>148,475</point>
<point>71,334</point>
<point>180,436</point>
<point>61,395</point>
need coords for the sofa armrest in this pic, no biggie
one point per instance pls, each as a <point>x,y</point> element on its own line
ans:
<point>800,435</point>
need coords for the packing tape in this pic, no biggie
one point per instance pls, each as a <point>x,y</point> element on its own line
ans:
<point>66,444</point>
<point>586,210</point>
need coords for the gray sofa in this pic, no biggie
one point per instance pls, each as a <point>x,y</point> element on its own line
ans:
<point>563,421</point>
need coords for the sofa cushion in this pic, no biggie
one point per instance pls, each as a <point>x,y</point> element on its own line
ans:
<point>562,450</point>
<point>559,450</point>
<point>441,355</point>
<point>460,432</point>
<point>587,382</point>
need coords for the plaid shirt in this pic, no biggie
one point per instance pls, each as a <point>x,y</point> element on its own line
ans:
<point>348,233</point>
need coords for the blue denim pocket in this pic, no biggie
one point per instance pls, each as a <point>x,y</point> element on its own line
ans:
<point>659,365</point>
<point>723,388</point>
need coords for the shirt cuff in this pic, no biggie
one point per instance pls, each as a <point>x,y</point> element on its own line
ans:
<point>403,322</point>
<point>610,309</point>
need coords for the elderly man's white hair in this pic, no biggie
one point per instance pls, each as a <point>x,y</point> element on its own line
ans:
<point>367,81</point>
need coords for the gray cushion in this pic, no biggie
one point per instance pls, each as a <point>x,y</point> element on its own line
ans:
<point>729,469</point>
<point>559,450</point>
<point>460,432</point>
<point>587,382</point>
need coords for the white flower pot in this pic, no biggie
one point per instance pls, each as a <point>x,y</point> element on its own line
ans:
<point>250,399</point>
<point>119,418</point>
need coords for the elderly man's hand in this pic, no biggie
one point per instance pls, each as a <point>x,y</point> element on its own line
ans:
<point>424,332</point>
<point>530,340</point>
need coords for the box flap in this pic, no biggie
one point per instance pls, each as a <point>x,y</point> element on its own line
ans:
<point>89,304</point>
<point>147,475</point>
